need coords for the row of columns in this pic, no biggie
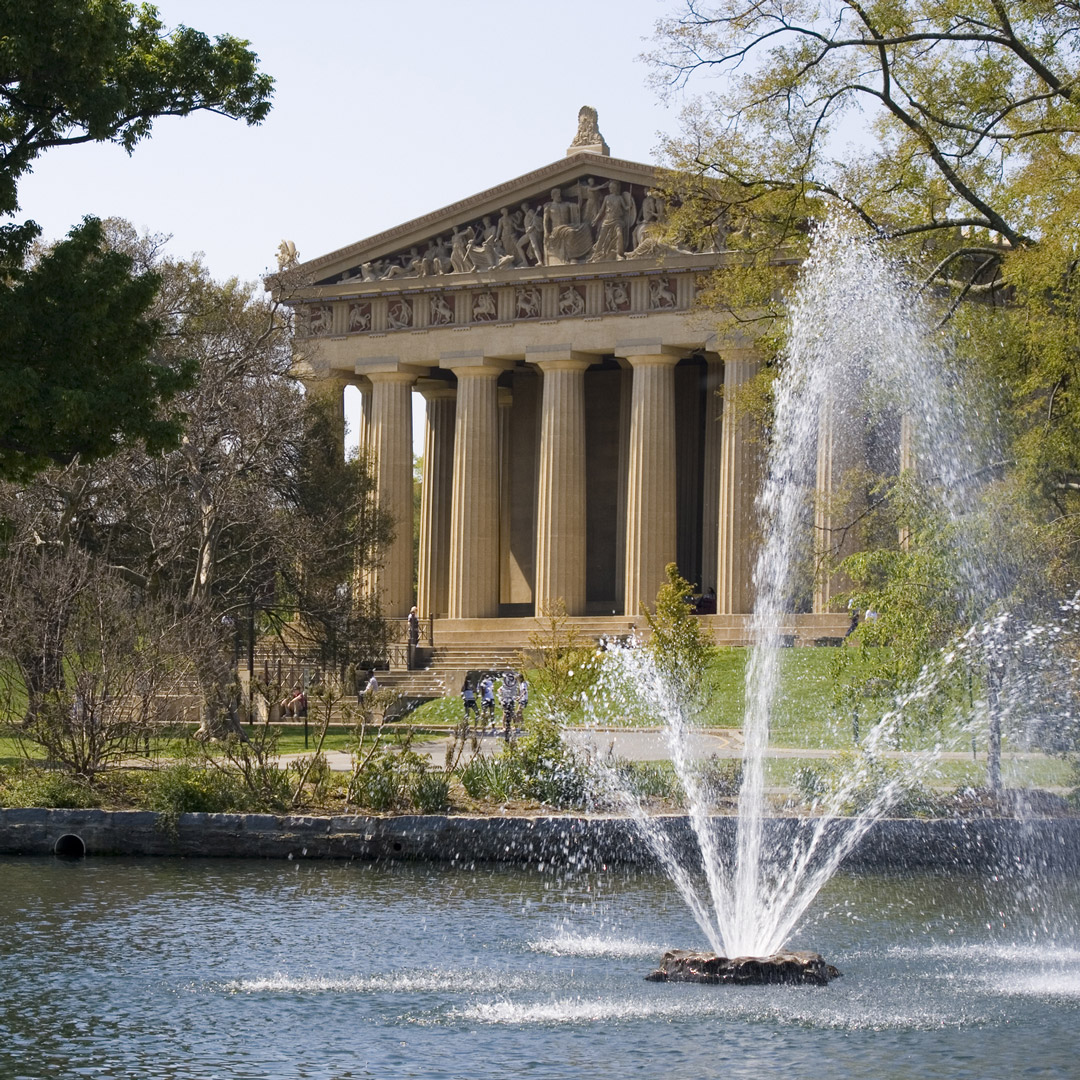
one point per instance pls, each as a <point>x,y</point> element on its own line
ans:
<point>461,500</point>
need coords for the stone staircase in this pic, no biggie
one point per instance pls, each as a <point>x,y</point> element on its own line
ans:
<point>463,645</point>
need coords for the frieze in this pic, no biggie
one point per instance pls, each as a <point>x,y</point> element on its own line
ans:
<point>441,309</point>
<point>399,314</point>
<point>359,318</point>
<point>485,307</point>
<point>636,296</point>
<point>593,220</point>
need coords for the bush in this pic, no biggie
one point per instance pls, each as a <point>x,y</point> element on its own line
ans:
<point>387,780</point>
<point>721,777</point>
<point>494,778</point>
<point>850,783</point>
<point>30,785</point>
<point>188,788</point>
<point>430,791</point>
<point>649,780</point>
<point>546,769</point>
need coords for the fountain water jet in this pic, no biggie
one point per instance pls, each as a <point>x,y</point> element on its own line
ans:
<point>859,346</point>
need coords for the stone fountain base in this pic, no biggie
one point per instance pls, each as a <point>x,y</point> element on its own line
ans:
<point>792,968</point>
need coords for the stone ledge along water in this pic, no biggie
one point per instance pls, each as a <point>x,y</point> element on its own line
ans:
<point>976,844</point>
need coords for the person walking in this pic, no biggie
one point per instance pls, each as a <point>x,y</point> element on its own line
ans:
<point>371,686</point>
<point>508,695</point>
<point>523,700</point>
<point>468,698</point>
<point>487,702</point>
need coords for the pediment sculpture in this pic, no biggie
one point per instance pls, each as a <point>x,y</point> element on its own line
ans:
<point>591,220</point>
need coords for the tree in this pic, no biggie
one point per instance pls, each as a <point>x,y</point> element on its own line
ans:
<point>561,662</point>
<point>966,168</point>
<point>256,508</point>
<point>76,338</point>
<point>682,651</point>
<point>966,101</point>
<point>78,376</point>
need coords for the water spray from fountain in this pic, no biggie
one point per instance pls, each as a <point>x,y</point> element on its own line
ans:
<point>863,362</point>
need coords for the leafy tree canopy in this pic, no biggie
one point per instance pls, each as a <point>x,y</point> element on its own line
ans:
<point>971,107</point>
<point>950,131</point>
<point>76,71</point>
<point>78,372</point>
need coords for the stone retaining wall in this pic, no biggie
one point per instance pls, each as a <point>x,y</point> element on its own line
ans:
<point>976,844</point>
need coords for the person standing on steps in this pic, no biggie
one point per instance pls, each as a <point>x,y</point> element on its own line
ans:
<point>414,636</point>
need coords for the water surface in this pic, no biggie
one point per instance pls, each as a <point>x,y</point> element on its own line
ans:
<point>204,968</point>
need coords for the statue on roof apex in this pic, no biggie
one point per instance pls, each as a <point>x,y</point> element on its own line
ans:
<point>588,137</point>
<point>287,257</point>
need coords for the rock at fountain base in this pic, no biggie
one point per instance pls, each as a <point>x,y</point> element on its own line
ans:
<point>790,968</point>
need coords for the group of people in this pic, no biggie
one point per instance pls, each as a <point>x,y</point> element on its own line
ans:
<point>479,701</point>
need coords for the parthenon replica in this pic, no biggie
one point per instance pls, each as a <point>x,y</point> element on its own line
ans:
<point>576,438</point>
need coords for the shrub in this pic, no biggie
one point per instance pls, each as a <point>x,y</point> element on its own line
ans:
<point>494,778</point>
<point>721,777</point>
<point>649,779</point>
<point>386,780</point>
<point>30,785</point>
<point>850,783</point>
<point>429,791</point>
<point>189,788</point>
<point>546,769</point>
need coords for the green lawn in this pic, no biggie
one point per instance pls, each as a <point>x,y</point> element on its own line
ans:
<point>1043,772</point>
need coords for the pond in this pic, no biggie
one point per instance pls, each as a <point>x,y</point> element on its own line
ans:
<point>323,970</point>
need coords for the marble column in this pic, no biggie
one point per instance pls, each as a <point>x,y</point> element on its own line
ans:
<point>560,526</point>
<point>739,480</point>
<point>474,515</point>
<point>710,496</point>
<point>626,393</point>
<point>688,456</point>
<point>506,408</point>
<point>651,486</point>
<point>433,573</point>
<point>363,422</point>
<point>390,442</point>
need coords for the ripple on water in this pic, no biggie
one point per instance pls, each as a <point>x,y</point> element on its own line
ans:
<point>806,1007</point>
<point>1037,970</point>
<point>395,982</point>
<point>568,944</point>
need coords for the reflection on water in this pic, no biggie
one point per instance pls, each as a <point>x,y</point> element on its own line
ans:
<point>190,968</point>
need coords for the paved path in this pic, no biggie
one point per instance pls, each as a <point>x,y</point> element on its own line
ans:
<point>643,744</point>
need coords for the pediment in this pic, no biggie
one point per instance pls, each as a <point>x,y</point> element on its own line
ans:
<point>586,208</point>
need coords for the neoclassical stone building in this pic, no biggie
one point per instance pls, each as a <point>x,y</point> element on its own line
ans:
<point>575,439</point>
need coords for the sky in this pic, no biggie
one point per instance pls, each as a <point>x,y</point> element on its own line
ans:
<point>382,112</point>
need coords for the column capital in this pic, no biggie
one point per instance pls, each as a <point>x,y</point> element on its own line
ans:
<point>558,358</point>
<point>650,351</point>
<point>330,381</point>
<point>385,368</point>
<point>473,363</point>
<point>434,389</point>
<point>740,355</point>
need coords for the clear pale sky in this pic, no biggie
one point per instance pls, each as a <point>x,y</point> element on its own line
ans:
<point>382,112</point>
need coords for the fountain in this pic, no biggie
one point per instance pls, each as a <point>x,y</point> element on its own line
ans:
<point>861,353</point>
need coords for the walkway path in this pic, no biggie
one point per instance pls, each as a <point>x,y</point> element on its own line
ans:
<point>643,744</point>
